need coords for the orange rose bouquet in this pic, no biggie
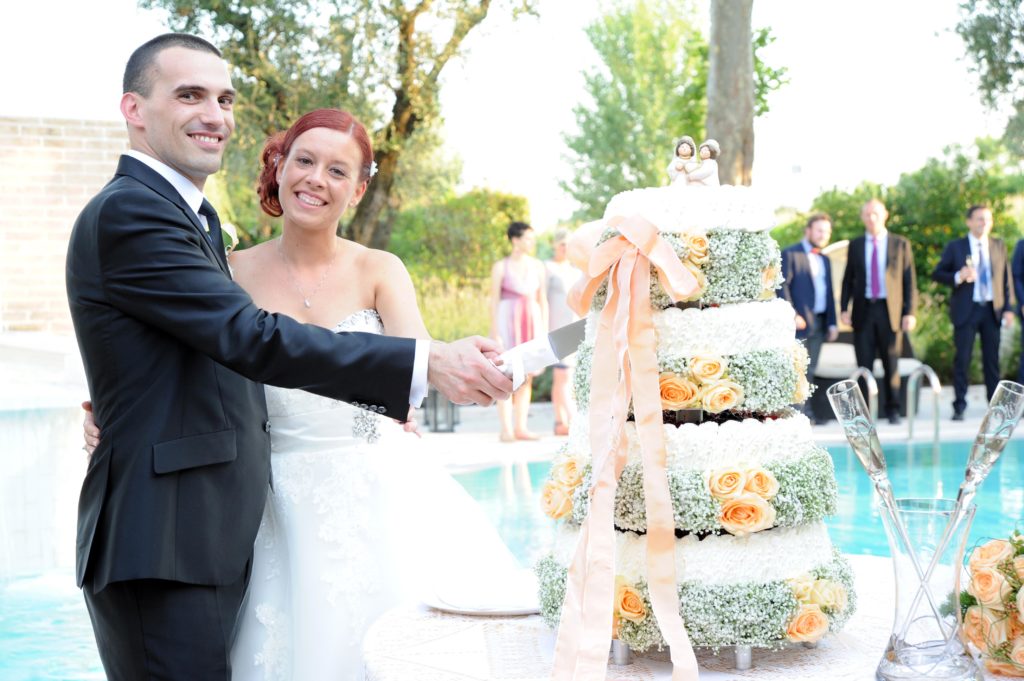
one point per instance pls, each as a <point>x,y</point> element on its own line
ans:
<point>992,605</point>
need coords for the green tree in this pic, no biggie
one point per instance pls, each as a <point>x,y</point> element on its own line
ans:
<point>993,34</point>
<point>649,88</point>
<point>457,239</point>
<point>381,60</point>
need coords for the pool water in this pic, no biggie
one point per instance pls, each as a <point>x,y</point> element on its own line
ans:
<point>45,633</point>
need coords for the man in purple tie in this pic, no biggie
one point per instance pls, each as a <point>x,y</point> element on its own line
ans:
<point>977,268</point>
<point>880,282</point>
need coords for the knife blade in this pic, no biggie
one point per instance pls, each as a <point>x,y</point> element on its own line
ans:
<point>537,354</point>
<point>566,340</point>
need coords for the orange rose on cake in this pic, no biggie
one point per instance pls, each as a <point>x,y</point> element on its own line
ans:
<point>762,483</point>
<point>726,483</point>
<point>707,369</point>
<point>702,281</point>
<point>746,514</point>
<point>721,396</point>
<point>568,472</point>
<point>802,587</point>
<point>829,595</point>
<point>555,500</point>
<point>677,392</point>
<point>809,625</point>
<point>628,602</point>
<point>698,249</point>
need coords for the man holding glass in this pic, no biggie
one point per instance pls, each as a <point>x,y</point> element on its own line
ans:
<point>977,268</point>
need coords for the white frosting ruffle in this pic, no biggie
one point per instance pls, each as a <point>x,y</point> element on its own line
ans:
<point>712,445</point>
<point>722,330</point>
<point>688,209</point>
<point>781,553</point>
<point>763,325</point>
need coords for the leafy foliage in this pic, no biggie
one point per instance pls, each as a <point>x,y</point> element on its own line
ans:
<point>459,238</point>
<point>993,34</point>
<point>650,88</point>
<point>379,60</point>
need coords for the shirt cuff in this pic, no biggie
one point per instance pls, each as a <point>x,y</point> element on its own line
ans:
<point>418,389</point>
<point>956,278</point>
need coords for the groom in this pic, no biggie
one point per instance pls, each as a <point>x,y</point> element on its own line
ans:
<point>175,354</point>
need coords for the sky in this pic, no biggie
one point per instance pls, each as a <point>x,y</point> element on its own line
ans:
<point>876,88</point>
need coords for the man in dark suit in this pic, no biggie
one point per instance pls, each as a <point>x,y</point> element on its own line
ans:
<point>1017,270</point>
<point>977,268</point>
<point>807,285</point>
<point>174,354</point>
<point>881,284</point>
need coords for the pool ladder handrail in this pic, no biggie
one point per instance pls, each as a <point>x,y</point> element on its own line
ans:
<point>872,384</point>
<point>913,388</point>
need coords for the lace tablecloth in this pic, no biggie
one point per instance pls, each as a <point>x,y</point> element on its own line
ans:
<point>423,644</point>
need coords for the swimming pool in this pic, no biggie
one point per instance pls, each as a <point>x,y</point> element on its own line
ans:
<point>45,633</point>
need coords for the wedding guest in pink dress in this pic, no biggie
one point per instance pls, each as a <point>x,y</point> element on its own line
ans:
<point>519,311</point>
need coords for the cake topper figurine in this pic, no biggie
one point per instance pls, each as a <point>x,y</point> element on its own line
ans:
<point>684,160</point>
<point>707,173</point>
<point>694,165</point>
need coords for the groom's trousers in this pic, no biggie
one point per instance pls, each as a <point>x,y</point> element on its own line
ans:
<point>158,630</point>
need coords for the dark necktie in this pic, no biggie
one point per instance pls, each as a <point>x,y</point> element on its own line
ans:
<point>876,286</point>
<point>983,275</point>
<point>213,226</point>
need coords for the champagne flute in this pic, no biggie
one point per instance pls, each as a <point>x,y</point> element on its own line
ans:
<point>848,404</point>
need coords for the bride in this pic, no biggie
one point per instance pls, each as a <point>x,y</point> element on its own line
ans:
<point>356,520</point>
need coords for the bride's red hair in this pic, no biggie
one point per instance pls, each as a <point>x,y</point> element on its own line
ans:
<point>278,146</point>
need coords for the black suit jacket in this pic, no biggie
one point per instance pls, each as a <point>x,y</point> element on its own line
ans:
<point>954,256</point>
<point>1017,272</point>
<point>900,281</point>
<point>798,287</point>
<point>174,354</point>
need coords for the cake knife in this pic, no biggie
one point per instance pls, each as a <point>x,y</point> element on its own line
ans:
<point>535,355</point>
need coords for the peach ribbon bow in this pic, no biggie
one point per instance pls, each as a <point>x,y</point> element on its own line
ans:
<point>624,365</point>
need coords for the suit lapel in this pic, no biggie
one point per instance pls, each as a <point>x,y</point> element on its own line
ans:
<point>892,265</point>
<point>149,177</point>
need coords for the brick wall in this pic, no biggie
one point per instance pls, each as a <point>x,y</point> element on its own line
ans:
<point>49,169</point>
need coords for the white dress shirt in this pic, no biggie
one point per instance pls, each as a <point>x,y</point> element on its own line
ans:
<point>194,198</point>
<point>979,248</point>
<point>817,264</point>
<point>883,252</point>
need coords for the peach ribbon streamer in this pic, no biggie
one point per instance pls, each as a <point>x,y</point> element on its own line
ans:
<point>624,365</point>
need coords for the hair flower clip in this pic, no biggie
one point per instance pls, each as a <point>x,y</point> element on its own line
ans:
<point>373,168</point>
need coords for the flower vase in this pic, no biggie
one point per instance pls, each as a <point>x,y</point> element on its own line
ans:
<point>925,642</point>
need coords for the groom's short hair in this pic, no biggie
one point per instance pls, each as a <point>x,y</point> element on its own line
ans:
<point>138,72</point>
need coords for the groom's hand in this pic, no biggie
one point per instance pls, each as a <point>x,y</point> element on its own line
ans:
<point>463,372</point>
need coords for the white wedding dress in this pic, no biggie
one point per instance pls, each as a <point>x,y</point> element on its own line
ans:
<point>355,524</point>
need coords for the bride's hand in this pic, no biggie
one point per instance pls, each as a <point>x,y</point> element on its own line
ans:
<point>410,425</point>
<point>90,431</point>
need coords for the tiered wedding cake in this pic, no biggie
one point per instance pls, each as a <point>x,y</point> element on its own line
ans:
<point>749,488</point>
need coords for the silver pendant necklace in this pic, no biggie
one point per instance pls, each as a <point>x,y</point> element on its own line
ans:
<point>323,277</point>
